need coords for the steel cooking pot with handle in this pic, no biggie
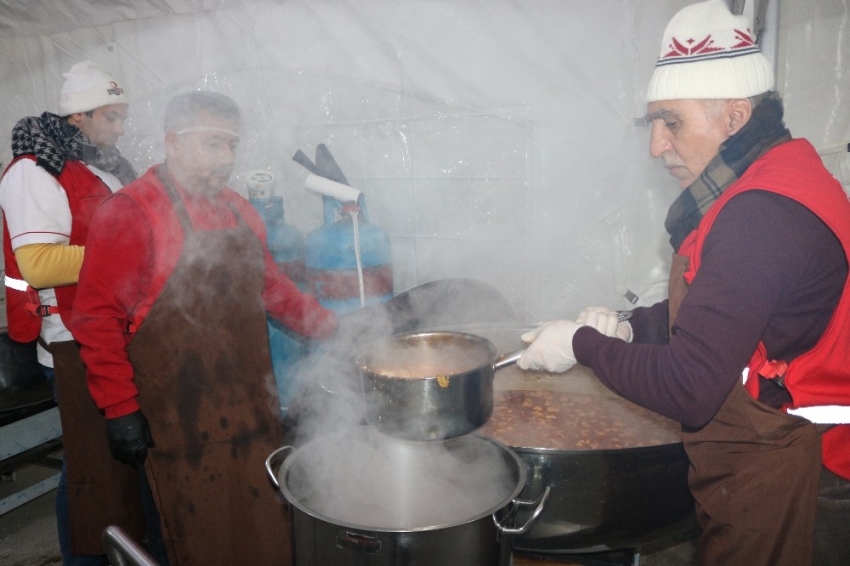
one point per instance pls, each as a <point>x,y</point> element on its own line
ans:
<point>430,385</point>
<point>362,497</point>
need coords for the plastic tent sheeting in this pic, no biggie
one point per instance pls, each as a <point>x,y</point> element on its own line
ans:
<point>496,139</point>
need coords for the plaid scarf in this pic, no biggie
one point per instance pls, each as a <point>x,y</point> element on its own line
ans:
<point>53,141</point>
<point>764,130</point>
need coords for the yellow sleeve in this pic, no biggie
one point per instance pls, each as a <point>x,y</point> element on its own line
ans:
<point>49,265</point>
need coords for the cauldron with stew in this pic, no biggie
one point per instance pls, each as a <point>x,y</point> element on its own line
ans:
<point>617,472</point>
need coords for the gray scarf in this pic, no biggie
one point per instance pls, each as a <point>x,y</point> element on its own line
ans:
<point>53,141</point>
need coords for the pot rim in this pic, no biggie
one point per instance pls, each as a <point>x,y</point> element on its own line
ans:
<point>290,497</point>
<point>666,447</point>
<point>361,359</point>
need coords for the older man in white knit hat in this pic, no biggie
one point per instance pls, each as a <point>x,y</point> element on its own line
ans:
<point>750,352</point>
<point>64,165</point>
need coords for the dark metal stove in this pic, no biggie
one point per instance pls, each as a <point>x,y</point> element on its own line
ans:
<point>30,430</point>
<point>628,557</point>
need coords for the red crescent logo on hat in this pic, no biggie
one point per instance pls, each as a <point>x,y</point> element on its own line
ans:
<point>115,89</point>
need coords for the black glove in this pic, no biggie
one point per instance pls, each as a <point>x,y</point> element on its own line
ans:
<point>129,438</point>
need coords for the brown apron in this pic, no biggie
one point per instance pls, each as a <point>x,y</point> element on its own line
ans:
<point>754,474</point>
<point>203,369</point>
<point>101,490</point>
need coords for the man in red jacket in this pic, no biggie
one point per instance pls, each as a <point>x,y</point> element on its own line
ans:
<point>750,353</point>
<point>171,319</point>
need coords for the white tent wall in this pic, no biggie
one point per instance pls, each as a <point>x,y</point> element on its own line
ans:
<point>494,139</point>
<point>814,52</point>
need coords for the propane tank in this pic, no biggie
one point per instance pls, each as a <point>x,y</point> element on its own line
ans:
<point>286,245</point>
<point>287,350</point>
<point>285,242</point>
<point>348,261</point>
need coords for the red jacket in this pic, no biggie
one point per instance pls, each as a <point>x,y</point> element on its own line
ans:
<point>134,244</point>
<point>85,192</point>
<point>822,375</point>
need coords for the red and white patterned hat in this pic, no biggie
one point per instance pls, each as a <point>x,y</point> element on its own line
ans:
<point>707,52</point>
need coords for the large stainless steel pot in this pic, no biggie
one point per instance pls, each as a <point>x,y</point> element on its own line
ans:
<point>601,499</point>
<point>361,497</point>
<point>430,385</point>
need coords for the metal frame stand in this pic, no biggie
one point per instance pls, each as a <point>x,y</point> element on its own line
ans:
<point>124,551</point>
<point>25,441</point>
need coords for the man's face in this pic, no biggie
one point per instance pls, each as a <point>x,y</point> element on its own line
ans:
<point>687,134</point>
<point>202,156</point>
<point>104,126</point>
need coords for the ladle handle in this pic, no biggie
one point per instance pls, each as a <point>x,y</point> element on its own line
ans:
<point>272,457</point>
<point>507,359</point>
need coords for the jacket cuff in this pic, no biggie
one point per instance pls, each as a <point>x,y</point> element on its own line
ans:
<point>584,343</point>
<point>121,409</point>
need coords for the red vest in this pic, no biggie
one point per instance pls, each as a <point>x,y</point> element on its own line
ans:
<point>85,192</point>
<point>821,376</point>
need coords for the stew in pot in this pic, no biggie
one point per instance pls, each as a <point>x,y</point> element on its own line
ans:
<point>575,421</point>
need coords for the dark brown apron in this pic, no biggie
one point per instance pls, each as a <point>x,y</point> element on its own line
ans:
<point>101,490</point>
<point>754,474</point>
<point>203,368</point>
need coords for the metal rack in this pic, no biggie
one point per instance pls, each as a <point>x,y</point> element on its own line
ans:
<point>27,440</point>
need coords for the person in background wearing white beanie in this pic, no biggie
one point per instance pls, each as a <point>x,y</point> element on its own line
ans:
<point>751,351</point>
<point>64,165</point>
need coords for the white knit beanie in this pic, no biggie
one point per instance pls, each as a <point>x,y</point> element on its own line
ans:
<point>87,86</point>
<point>707,52</point>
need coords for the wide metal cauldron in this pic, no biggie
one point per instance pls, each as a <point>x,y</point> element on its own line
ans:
<point>430,385</point>
<point>605,500</point>
<point>361,497</point>
<point>602,499</point>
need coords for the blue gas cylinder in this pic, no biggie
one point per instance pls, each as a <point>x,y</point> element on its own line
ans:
<point>285,242</point>
<point>286,245</point>
<point>330,258</point>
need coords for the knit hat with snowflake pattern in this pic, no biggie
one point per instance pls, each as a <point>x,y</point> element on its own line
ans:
<point>707,52</point>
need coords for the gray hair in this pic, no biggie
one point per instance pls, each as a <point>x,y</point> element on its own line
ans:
<point>713,106</point>
<point>183,110</point>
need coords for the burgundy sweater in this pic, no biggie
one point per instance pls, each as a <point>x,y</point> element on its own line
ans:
<point>771,271</point>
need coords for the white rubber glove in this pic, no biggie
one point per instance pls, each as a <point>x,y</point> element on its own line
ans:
<point>550,347</point>
<point>606,322</point>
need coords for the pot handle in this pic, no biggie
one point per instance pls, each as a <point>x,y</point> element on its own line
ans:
<point>507,359</point>
<point>272,457</point>
<point>539,503</point>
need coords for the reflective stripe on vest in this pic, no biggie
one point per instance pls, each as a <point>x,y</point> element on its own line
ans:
<point>33,305</point>
<point>823,414</point>
<point>817,414</point>
<point>16,284</point>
